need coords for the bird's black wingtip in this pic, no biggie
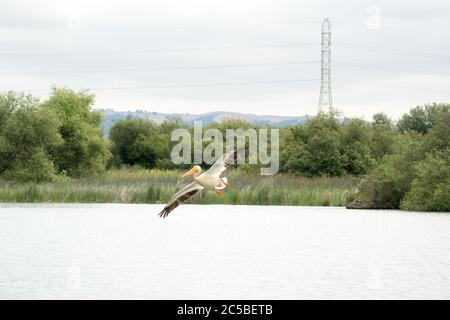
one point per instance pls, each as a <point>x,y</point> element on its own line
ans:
<point>163,214</point>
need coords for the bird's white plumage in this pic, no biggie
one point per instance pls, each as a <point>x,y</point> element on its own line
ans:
<point>190,187</point>
<point>223,162</point>
<point>209,179</point>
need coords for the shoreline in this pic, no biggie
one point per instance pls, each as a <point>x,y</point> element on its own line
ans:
<point>74,205</point>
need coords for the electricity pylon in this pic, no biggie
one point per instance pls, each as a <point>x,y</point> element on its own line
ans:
<point>325,100</point>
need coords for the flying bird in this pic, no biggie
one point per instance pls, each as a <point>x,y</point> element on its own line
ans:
<point>210,179</point>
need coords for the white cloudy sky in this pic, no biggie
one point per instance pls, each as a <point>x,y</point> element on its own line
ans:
<point>255,56</point>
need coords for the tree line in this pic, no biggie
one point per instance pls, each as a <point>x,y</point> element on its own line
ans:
<point>403,164</point>
<point>61,136</point>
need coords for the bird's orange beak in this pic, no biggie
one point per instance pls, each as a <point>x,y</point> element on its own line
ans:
<point>189,173</point>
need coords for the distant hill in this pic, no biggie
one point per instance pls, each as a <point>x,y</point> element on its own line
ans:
<point>110,116</point>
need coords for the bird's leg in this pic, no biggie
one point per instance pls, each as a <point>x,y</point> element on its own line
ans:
<point>218,192</point>
<point>225,183</point>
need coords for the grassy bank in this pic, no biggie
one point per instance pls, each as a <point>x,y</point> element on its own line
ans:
<point>156,186</point>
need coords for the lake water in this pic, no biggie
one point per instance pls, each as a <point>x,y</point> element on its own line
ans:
<point>221,252</point>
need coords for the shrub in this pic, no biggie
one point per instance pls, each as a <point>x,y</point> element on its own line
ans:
<point>430,189</point>
<point>37,167</point>
<point>416,176</point>
<point>28,136</point>
<point>387,184</point>
<point>138,142</point>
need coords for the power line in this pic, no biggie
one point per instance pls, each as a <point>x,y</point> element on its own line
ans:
<point>217,84</point>
<point>243,84</point>
<point>220,66</point>
<point>382,67</point>
<point>350,46</point>
<point>125,28</point>
<point>161,50</point>
<point>362,24</point>
<point>86,28</point>
<point>395,87</point>
<point>390,51</point>
<point>197,67</point>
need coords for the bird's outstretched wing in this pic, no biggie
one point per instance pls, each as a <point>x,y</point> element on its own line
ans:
<point>225,160</point>
<point>178,198</point>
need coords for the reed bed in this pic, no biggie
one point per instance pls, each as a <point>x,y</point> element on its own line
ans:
<point>157,186</point>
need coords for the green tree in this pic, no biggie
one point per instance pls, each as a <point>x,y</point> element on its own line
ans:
<point>231,124</point>
<point>421,119</point>
<point>382,119</point>
<point>84,150</point>
<point>416,175</point>
<point>313,149</point>
<point>137,142</point>
<point>170,124</point>
<point>383,136</point>
<point>293,154</point>
<point>323,147</point>
<point>165,129</point>
<point>28,136</point>
<point>11,101</point>
<point>438,137</point>
<point>388,183</point>
<point>355,146</point>
<point>430,189</point>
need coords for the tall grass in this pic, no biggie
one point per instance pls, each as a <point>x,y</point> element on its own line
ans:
<point>157,186</point>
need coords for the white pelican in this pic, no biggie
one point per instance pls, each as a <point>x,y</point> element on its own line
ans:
<point>210,179</point>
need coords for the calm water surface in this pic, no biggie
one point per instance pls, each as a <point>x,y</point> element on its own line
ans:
<point>217,252</point>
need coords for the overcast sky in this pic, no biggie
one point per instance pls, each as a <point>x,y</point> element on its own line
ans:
<point>253,56</point>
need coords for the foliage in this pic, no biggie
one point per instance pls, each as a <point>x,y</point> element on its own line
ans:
<point>326,147</point>
<point>439,135</point>
<point>384,137</point>
<point>355,147</point>
<point>386,185</point>
<point>35,167</point>
<point>84,150</point>
<point>138,142</point>
<point>231,124</point>
<point>430,189</point>
<point>28,136</point>
<point>421,119</point>
<point>416,175</point>
<point>323,147</point>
